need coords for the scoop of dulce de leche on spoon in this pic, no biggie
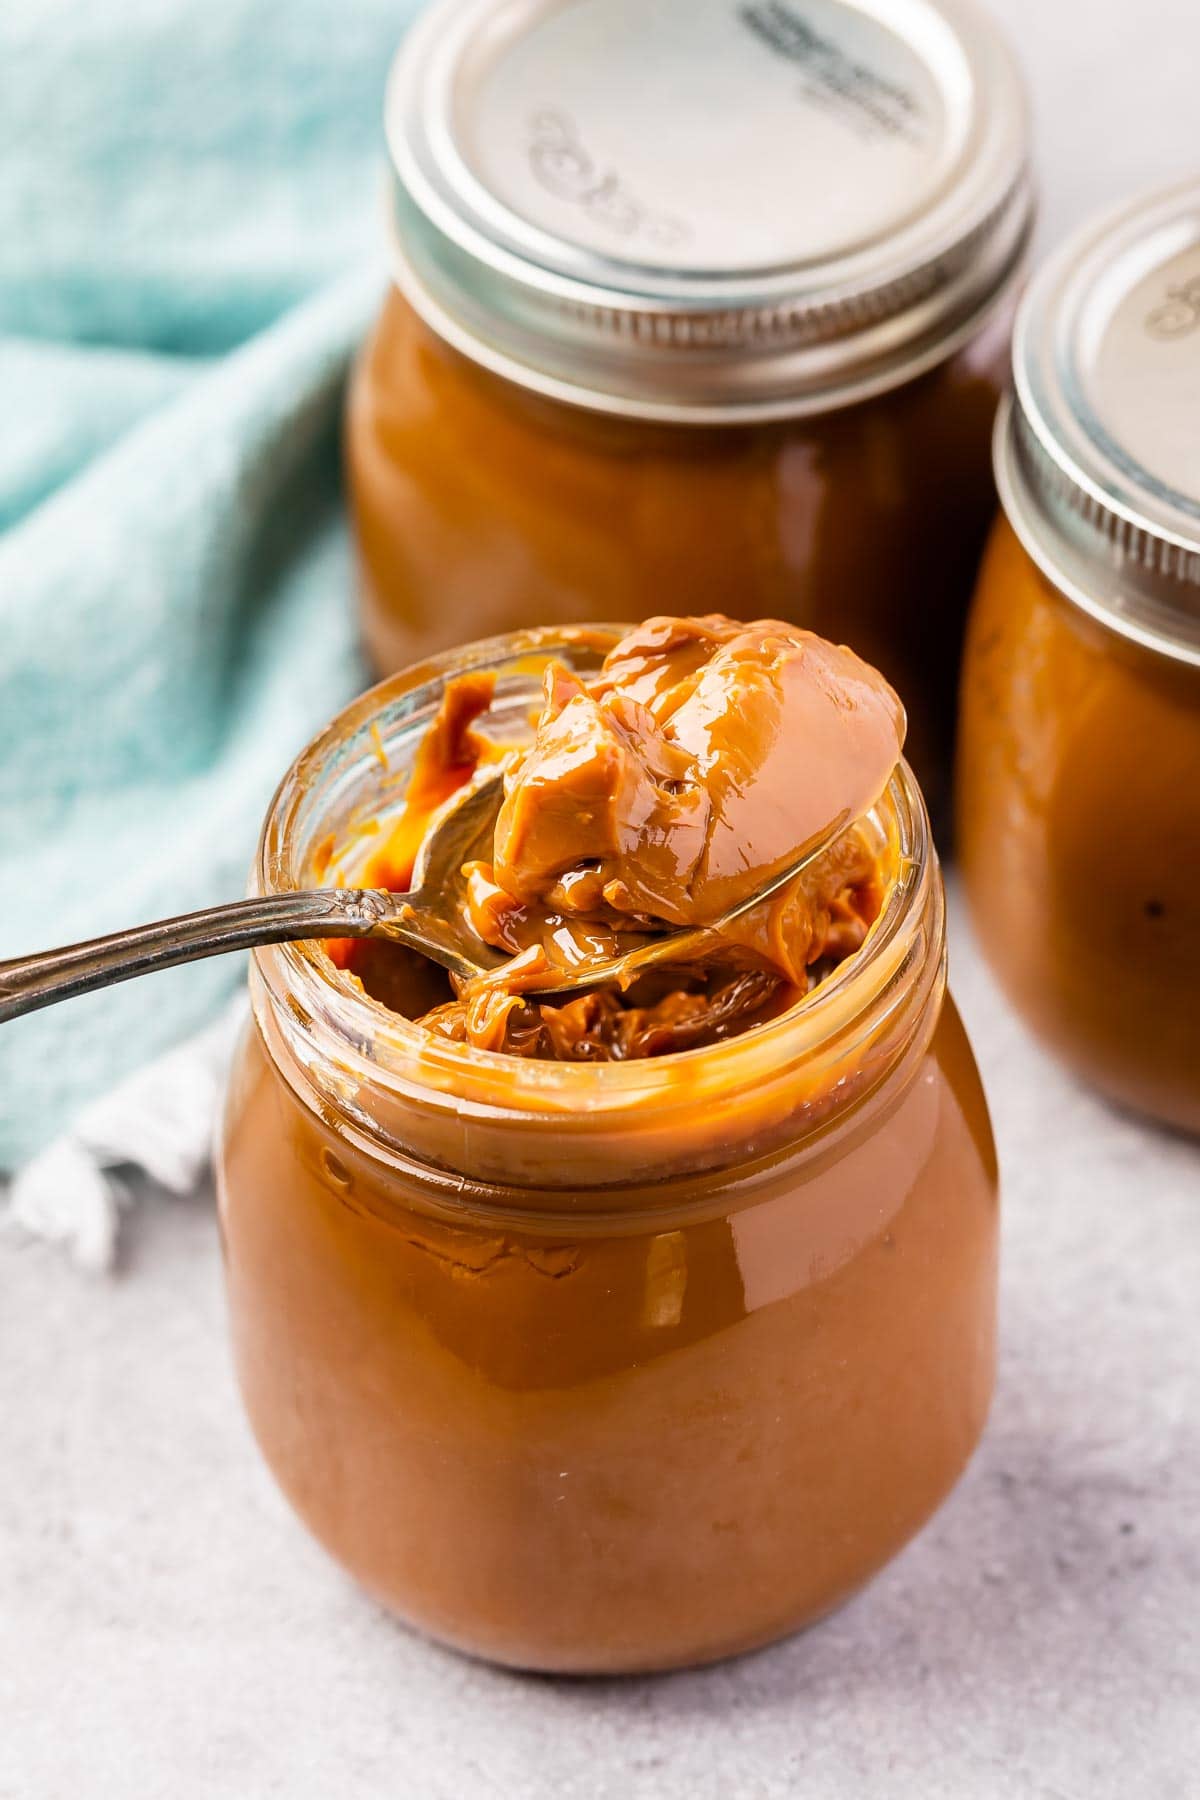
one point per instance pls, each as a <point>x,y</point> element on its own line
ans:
<point>702,762</point>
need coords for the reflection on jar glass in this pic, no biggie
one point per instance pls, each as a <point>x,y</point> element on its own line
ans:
<point>1079,773</point>
<point>600,1367</point>
<point>632,364</point>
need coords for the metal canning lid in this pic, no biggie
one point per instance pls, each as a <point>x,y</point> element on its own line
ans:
<point>707,209</point>
<point>1098,457</point>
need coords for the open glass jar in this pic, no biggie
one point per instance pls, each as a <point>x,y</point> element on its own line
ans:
<point>633,353</point>
<point>602,1367</point>
<point>1079,770</point>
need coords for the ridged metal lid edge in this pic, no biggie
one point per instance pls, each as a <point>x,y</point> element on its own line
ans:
<point>794,369</point>
<point>1143,587</point>
<point>1090,451</point>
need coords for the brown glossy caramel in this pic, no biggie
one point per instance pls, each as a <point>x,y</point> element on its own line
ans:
<point>667,790</point>
<point>480,507</point>
<point>1079,831</point>
<point>597,1445</point>
<point>707,755</point>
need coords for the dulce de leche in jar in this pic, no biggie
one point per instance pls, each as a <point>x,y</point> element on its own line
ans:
<point>1079,774</point>
<point>632,1328</point>
<point>700,299</point>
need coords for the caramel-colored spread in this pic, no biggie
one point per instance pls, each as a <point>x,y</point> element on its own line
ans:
<point>701,762</point>
<point>1079,833</point>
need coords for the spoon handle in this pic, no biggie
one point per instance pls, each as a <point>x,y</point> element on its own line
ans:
<point>30,982</point>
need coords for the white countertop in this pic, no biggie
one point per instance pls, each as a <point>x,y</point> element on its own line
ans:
<point>167,1629</point>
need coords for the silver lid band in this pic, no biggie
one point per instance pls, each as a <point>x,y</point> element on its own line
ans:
<point>1097,456</point>
<point>879,157</point>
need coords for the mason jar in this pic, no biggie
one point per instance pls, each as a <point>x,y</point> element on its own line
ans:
<point>1079,773</point>
<point>696,307</point>
<point>595,1367</point>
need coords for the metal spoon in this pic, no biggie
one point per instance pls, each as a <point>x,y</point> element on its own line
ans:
<point>429,918</point>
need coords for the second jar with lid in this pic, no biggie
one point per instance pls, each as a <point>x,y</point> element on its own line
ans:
<point>698,306</point>
<point>1079,772</point>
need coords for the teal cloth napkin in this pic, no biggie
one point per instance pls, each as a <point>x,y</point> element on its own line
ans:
<point>189,254</point>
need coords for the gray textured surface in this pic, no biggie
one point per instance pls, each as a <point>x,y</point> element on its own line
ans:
<point>166,1629</point>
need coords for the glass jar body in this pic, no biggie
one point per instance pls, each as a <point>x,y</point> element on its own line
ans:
<point>480,506</point>
<point>634,1438</point>
<point>1078,822</point>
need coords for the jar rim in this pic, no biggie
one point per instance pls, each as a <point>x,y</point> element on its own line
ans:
<point>379,1047</point>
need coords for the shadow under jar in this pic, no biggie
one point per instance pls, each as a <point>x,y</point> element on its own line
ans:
<point>700,307</point>
<point>1079,769</point>
<point>606,1367</point>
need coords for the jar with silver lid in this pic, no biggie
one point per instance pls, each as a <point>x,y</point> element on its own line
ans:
<point>1079,771</point>
<point>699,305</point>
